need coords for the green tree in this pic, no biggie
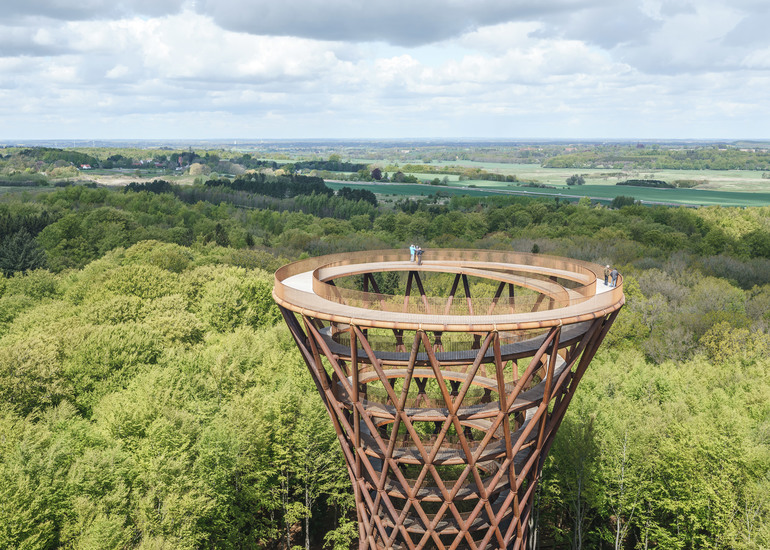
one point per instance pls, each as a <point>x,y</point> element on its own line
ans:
<point>575,179</point>
<point>220,236</point>
<point>621,200</point>
<point>321,469</point>
<point>31,372</point>
<point>20,252</point>
<point>574,456</point>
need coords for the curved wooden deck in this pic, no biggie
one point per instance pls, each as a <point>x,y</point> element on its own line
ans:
<point>306,287</point>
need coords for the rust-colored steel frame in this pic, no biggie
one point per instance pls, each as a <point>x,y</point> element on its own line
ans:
<point>444,448</point>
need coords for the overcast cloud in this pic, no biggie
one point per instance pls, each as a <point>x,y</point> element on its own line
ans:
<point>156,69</point>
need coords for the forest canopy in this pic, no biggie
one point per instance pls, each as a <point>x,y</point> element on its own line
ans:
<point>151,398</point>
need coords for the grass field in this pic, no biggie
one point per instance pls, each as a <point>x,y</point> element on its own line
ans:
<point>726,187</point>
<point>411,189</point>
<point>605,193</point>
<point>719,187</point>
<point>694,197</point>
<point>22,190</point>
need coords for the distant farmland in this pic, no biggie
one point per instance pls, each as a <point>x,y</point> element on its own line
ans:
<point>713,187</point>
<point>694,197</point>
<point>411,189</point>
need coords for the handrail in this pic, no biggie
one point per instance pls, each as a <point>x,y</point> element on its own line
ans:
<point>554,303</point>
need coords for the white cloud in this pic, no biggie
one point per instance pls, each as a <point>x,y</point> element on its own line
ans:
<point>118,71</point>
<point>401,22</point>
<point>499,38</point>
<point>689,42</point>
<point>81,10</point>
<point>343,68</point>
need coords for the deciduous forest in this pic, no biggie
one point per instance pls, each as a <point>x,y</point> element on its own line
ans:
<point>151,398</point>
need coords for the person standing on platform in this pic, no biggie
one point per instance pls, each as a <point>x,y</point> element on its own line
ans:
<point>606,275</point>
<point>412,250</point>
<point>614,275</point>
<point>419,255</point>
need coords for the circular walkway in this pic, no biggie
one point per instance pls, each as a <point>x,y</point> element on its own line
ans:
<point>574,291</point>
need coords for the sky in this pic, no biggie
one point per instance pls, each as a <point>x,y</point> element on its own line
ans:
<point>386,69</point>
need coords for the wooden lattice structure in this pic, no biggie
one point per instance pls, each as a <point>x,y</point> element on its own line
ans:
<point>446,398</point>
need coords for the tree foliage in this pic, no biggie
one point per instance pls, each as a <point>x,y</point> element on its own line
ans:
<point>20,252</point>
<point>151,397</point>
<point>576,179</point>
<point>159,415</point>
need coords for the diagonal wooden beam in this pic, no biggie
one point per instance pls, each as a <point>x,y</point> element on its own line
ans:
<point>424,296</point>
<point>467,289</point>
<point>498,293</point>
<point>451,297</point>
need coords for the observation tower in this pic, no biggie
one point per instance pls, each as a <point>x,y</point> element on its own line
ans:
<point>446,381</point>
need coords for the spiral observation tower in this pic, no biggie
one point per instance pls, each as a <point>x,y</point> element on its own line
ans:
<point>446,381</point>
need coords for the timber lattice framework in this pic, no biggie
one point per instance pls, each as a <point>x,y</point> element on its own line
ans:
<point>446,397</point>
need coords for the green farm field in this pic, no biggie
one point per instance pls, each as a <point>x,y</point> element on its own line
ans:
<point>604,193</point>
<point>695,197</point>
<point>716,187</point>
<point>411,189</point>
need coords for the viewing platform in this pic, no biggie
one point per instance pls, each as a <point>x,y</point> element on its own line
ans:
<point>567,291</point>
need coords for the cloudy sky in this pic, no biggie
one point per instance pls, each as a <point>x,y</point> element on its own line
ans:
<point>257,69</point>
